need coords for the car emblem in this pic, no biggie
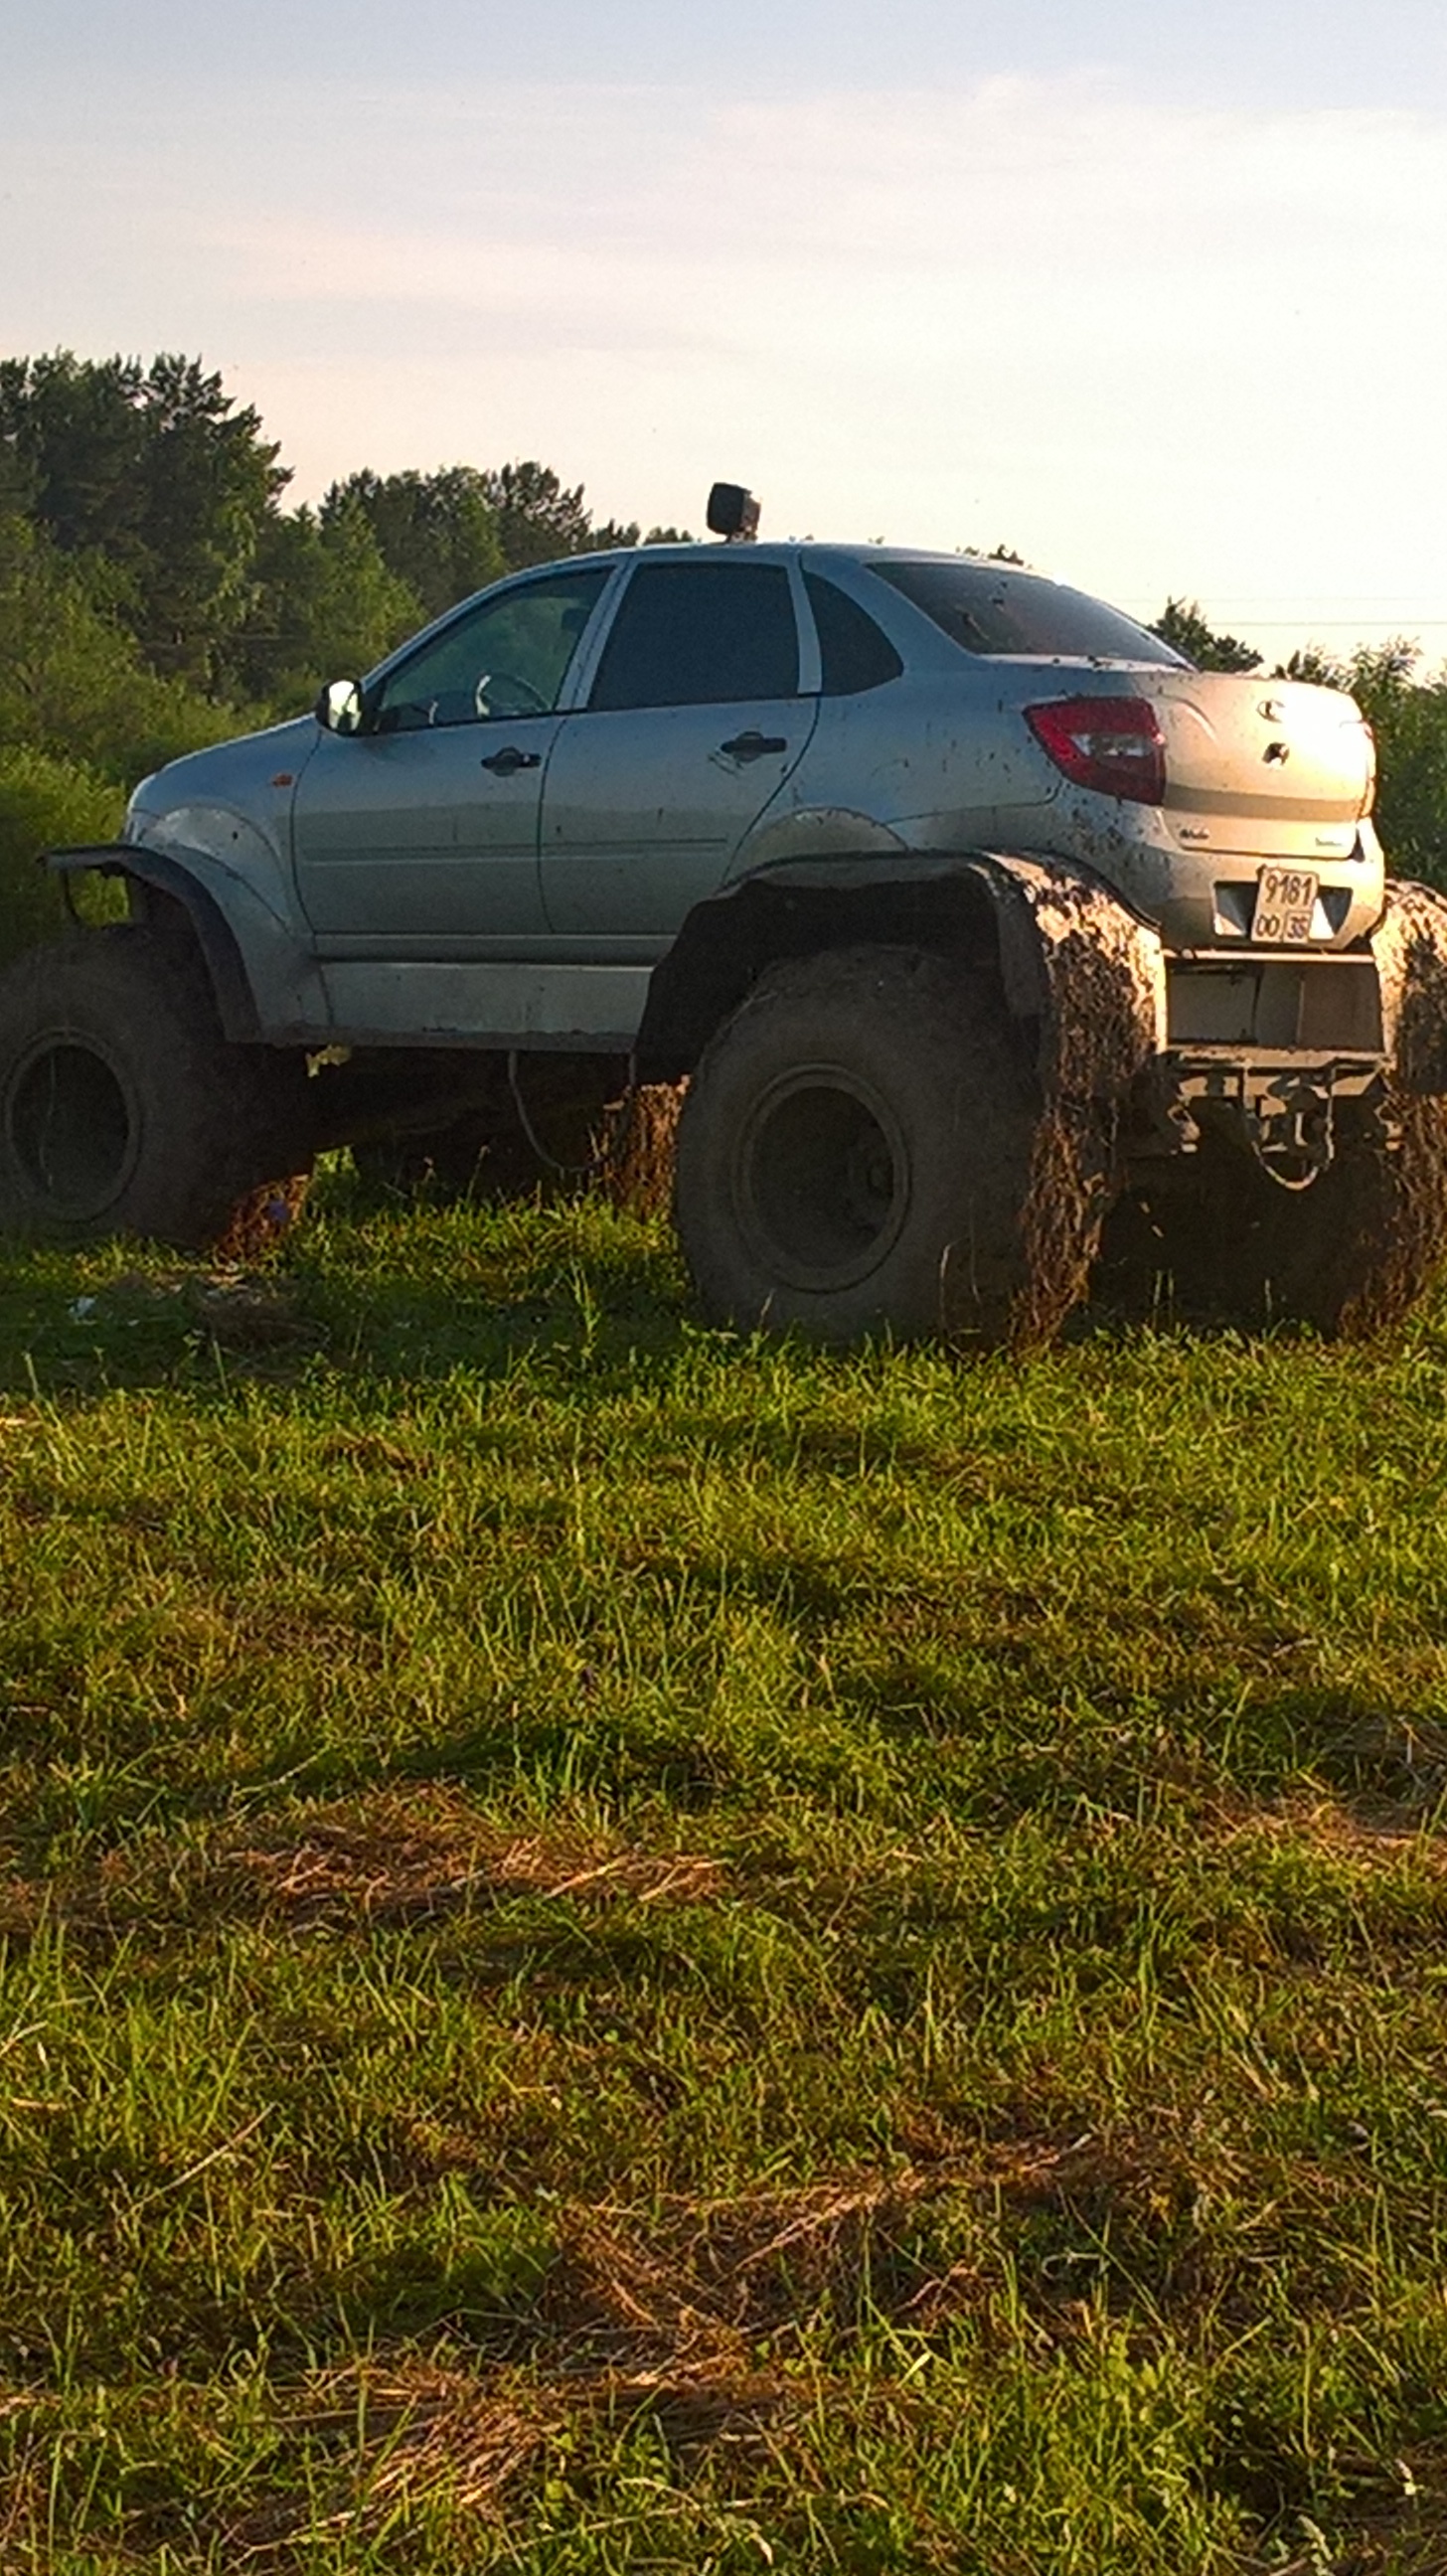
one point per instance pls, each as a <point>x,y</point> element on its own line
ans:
<point>1272,709</point>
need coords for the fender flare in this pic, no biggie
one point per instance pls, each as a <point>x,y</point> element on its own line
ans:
<point>233,958</point>
<point>1031,920</point>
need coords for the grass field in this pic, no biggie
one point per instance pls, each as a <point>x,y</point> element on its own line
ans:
<point>625,1950</point>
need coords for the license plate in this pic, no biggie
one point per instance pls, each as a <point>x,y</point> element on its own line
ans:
<point>1285,902</point>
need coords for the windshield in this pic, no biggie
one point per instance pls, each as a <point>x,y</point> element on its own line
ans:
<point>992,608</point>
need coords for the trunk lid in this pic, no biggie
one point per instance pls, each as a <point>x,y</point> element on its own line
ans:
<point>1258,765</point>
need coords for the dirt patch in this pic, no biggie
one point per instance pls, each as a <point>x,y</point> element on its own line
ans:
<point>403,1856</point>
<point>244,1313</point>
<point>241,1308</point>
<point>398,1857</point>
<point>701,2324</point>
<point>634,1147</point>
<point>1380,1836</point>
<point>433,2435</point>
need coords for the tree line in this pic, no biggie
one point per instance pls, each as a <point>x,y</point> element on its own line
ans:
<point>157,593</point>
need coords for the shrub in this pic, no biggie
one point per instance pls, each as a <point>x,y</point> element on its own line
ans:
<point>47,803</point>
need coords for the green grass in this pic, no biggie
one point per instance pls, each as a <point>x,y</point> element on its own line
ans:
<point>621,1949</point>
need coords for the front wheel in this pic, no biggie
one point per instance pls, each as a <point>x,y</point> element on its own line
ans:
<point>122,1108</point>
<point>854,1151</point>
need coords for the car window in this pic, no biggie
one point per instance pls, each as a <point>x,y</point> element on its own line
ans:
<point>509,656</point>
<point>992,608</point>
<point>853,654</point>
<point>700,634</point>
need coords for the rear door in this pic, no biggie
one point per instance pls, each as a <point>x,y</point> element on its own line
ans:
<point>694,721</point>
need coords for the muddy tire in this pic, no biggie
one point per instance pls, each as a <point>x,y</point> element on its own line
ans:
<point>853,1153</point>
<point>1220,1243</point>
<point>122,1108</point>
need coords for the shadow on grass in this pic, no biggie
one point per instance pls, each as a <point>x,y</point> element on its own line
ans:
<point>387,1291</point>
<point>400,1299</point>
<point>1049,1678</point>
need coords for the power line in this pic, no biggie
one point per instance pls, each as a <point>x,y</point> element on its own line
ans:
<point>1398,620</point>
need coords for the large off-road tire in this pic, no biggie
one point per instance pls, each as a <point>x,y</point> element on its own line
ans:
<point>122,1108</point>
<point>1218,1242</point>
<point>854,1152</point>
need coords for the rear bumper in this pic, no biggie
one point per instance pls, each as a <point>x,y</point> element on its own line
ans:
<point>1267,1050</point>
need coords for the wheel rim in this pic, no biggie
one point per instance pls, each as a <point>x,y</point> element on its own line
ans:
<point>70,1128</point>
<point>821,1179</point>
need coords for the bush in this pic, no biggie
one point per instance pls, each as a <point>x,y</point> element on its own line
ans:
<point>47,803</point>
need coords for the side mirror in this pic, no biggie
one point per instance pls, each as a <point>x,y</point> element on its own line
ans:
<point>339,707</point>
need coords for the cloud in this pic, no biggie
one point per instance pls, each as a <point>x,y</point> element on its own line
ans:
<point>1149,345</point>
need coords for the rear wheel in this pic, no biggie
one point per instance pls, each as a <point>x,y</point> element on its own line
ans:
<point>1217,1241</point>
<point>122,1107</point>
<point>854,1151</point>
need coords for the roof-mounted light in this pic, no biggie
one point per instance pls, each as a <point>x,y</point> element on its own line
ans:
<point>733,513</point>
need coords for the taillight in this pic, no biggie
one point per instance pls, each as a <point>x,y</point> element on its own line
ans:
<point>1112,744</point>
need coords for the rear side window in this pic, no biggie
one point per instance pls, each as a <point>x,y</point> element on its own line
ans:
<point>691,635</point>
<point>991,608</point>
<point>853,653</point>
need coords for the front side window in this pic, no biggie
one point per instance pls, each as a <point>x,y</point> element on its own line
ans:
<point>991,608</point>
<point>701,634</point>
<point>507,657</point>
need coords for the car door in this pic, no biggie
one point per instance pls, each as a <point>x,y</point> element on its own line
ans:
<point>694,721</point>
<point>423,827</point>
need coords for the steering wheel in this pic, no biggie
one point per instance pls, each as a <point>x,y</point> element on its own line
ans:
<point>528,700</point>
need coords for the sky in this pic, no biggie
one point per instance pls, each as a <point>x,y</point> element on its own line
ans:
<point>1154,293</point>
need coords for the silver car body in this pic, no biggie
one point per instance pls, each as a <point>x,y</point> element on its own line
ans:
<point>514,877</point>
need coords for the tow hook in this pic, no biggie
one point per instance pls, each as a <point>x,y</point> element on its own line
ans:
<point>1284,1115</point>
<point>1290,1128</point>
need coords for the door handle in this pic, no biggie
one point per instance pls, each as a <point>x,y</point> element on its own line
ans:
<point>752,746</point>
<point>503,763</point>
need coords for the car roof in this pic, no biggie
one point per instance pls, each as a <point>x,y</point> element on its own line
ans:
<point>788,550</point>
